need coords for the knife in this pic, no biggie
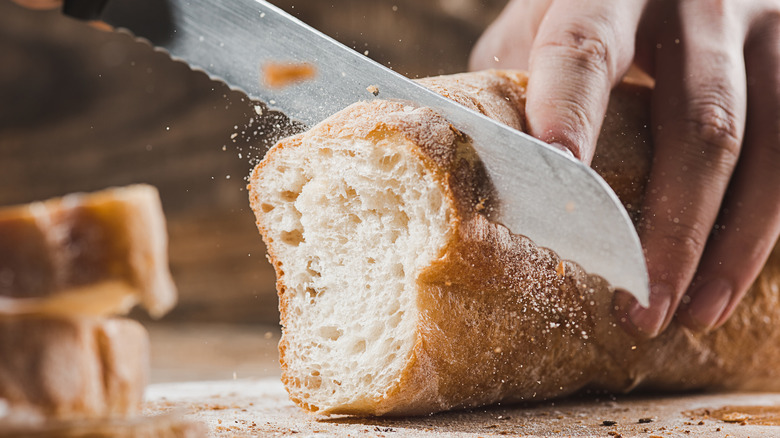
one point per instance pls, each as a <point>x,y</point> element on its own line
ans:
<point>544,194</point>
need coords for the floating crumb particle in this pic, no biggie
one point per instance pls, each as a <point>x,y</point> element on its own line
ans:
<point>277,75</point>
<point>268,335</point>
<point>259,110</point>
<point>481,204</point>
<point>497,350</point>
<point>373,90</point>
<point>560,269</point>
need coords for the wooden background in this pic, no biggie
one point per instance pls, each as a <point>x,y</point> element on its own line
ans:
<point>82,109</point>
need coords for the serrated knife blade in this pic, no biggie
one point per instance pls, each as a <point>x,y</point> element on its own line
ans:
<point>544,194</point>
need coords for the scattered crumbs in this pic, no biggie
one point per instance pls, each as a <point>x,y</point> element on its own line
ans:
<point>700,423</point>
<point>633,347</point>
<point>233,135</point>
<point>615,434</point>
<point>259,110</point>
<point>560,269</point>
<point>278,75</point>
<point>268,335</point>
<point>645,420</point>
<point>717,430</point>
<point>448,283</point>
<point>608,423</point>
<point>497,350</point>
<point>366,52</point>
<point>373,90</point>
<point>224,148</point>
<point>395,8</point>
<point>481,204</point>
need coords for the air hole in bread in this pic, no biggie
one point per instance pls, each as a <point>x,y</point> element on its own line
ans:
<point>289,195</point>
<point>294,237</point>
<point>330,333</point>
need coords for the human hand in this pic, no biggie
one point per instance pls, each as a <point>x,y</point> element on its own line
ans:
<point>712,206</point>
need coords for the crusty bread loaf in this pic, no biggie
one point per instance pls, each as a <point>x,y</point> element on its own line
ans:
<point>69,369</point>
<point>86,254</point>
<point>67,265</point>
<point>398,295</point>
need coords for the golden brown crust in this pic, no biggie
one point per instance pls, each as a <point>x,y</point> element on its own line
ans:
<point>552,334</point>
<point>71,369</point>
<point>501,319</point>
<point>105,251</point>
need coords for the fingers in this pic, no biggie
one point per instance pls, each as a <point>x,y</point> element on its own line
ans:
<point>507,42</point>
<point>698,111</point>
<point>580,52</point>
<point>749,224</point>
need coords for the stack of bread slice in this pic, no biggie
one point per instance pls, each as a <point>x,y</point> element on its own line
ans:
<point>68,268</point>
<point>399,294</point>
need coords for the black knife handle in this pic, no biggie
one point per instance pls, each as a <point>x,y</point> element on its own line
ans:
<point>84,9</point>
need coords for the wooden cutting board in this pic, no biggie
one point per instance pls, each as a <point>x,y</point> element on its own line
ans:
<point>260,407</point>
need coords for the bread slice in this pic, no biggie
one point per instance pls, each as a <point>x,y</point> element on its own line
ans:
<point>398,295</point>
<point>86,254</point>
<point>69,369</point>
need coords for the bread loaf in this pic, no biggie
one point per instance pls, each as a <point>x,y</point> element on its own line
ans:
<point>70,369</point>
<point>398,295</point>
<point>89,254</point>
<point>67,266</point>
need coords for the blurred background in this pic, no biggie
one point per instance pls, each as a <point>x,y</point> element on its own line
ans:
<point>83,109</point>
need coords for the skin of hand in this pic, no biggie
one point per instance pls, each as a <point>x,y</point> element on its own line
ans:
<point>712,205</point>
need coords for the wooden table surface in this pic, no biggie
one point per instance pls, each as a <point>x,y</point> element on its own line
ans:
<point>228,377</point>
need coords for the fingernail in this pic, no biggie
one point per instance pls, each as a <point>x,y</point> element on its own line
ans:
<point>651,320</point>
<point>708,301</point>
<point>564,149</point>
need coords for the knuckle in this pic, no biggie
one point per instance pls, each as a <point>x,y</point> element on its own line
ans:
<point>589,47</point>
<point>715,130</point>
<point>684,242</point>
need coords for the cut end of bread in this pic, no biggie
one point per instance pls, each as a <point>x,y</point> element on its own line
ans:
<point>349,221</point>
